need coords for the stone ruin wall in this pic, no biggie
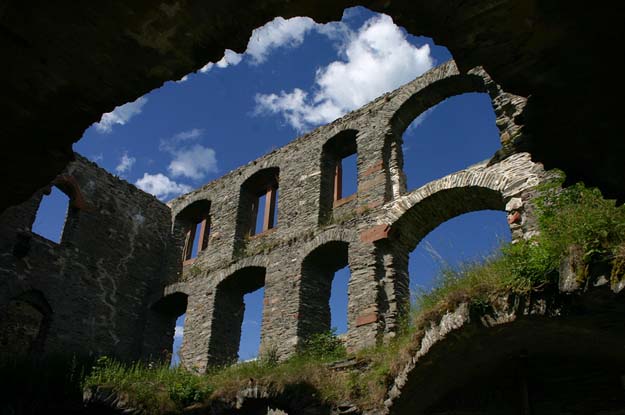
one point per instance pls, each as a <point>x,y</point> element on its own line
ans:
<point>295,261</point>
<point>90,291</point>
<point>117,283</point>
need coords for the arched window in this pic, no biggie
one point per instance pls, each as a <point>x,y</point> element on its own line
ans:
<point>58,209</point>
<point>52,215</point>
<point>339,173</point>
<point>319,269</point>
<point>194,223</point>
<point>163,334</point>
<point>24,324</point>
<point>229,311</point>
<point>258,204</point>
<point>444,127</point>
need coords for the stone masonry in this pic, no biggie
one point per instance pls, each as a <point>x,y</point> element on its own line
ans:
<point>372,231</point>
<point>87,295</point>
<point>124,270</point>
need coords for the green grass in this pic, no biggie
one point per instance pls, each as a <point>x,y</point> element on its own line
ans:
<point>575,220</point>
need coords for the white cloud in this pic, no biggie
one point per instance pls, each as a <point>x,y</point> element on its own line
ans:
<point>277,33</point>
<point>125,163</point>
<point>97,157</point>
<point>194,162</point>
<point>120,115</point>
<point>172,143</point>
<point>230,58</point>
<point>161,186</point>
<point>377,58</point>
<point>207,67</point>
<point>190,159</point>
<point>178,332</point>
<point>183,79</point>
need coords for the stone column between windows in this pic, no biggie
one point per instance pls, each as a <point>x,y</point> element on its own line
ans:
<point>194,351</point>
<point>363,311</point>
<point>281,307</point>
<point>395,287</point>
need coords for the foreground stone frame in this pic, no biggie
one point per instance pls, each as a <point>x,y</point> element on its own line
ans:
<point>373,232</point>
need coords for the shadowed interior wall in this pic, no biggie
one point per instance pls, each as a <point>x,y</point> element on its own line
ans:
<point>115,254</point>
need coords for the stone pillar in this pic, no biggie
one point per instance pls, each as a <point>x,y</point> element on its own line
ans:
<point>194,352</point>
<point>395,287</point>
<point>363,311</point>
<point>521,216</point>
<point>373,177</point>
<point>281,308</point>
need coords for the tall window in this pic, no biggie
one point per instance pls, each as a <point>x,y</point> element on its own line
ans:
<point>195,223</point>
<point>339,173</point>
<point>324,283</point>
<point>258,203</point>
<point>51,215</point>
<point>264,210</point>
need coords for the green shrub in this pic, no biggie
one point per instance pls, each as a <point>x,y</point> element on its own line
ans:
<point>324,346</point>
<point>187,388</point>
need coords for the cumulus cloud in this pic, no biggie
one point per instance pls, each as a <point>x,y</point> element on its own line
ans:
<point>178,332</point>
<point>194,162</point>
<point>161,186</point>
<point>171,144</point>
<point>120,115</point>
<point>278,33</point>
<point>190,159</point>
<point>376,59</point>
<point>125,163</point>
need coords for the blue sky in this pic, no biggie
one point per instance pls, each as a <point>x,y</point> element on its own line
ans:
<point>294,76</point>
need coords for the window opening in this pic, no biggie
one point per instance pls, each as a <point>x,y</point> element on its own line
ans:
<point>346,177</point>
<point>52,215</point>
<point>195,223</point>
<point>237,316</point>
<point>324,294</point>
<point>456,133</point>
<point>338,300</point>
<point>264,210</point>
<point>251,327</point>
<point>178,336</point>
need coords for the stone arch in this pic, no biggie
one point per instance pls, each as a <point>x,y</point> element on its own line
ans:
<point>444,86</point>
<point>339,234</point>
<point>549,351</point>
<point>441,206</point>
<point>264,182</point>
<point>159,333</point>
<point>432,94</point>
<point>24,323</point>
<point>69,185</point>
<point>478,188</point>
<point>186,223</point>
<point>341,145</point>
<point>317,273</point>
<point>228,309</point>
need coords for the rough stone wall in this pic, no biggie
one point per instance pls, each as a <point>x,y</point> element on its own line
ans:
<point>296,278</point>
<point>92,288</point>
